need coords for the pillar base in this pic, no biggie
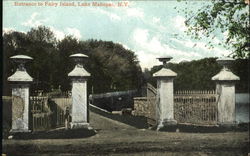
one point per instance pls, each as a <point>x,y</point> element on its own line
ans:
<point>166,123</point>
<point>20,131</point>
<point>76,125</point>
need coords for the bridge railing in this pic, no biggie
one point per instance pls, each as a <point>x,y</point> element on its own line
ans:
<point>196,107</point>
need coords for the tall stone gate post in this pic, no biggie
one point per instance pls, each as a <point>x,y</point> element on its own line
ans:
<point>79,93</point>
<point>20,82</point>
<point>225,88</point>
<point>165,95</point>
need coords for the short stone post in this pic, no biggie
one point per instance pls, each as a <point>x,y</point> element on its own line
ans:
<point>20,82</point>
<point>79,93</point>
<point>165,95</point>
<point>225,88</point>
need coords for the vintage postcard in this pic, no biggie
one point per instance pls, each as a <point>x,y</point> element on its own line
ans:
<point>125,77</point>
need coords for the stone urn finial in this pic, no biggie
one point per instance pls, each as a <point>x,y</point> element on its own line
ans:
<point>165,72</point>
<point>79,71</point>
<point>164,60</point>
<point>79,59</point>
<point>225,74</point>
<point>20,75</point>
<point>225,62</point>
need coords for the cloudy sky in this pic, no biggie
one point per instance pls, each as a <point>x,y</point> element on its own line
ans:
<point>149,28</point>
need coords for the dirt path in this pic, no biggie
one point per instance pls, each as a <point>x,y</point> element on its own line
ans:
<point>115,138</point>
<point>102,123</point>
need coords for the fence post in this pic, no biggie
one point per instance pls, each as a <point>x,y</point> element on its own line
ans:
<point>225,88</point>
<point>165,95</point>
<point>79,93</point>
<point>20,82</point>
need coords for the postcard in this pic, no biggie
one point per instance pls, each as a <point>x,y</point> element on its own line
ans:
<point>125,77</point>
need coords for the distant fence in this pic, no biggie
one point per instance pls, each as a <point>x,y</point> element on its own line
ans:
<point>52,94</point>
<point>196,107</point>
<point>113,101</point>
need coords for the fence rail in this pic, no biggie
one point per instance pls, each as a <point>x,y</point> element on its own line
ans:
<point>191,92</point>
<point>190,106</point>
<point>41,121</point>
<point>196,107</point>
<point>40,113</point>
<point>48,112</point>
<point>55,93</point>
<point>39,104</point>
<point>151,90</point>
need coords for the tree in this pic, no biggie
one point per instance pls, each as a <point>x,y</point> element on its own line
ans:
<point>231,17</point>
<point>197,74</point>
<point>66,47</point>
<point>39,43</point>
<point>112,67</point>
<point>12,44</point>
<point>42,47</point>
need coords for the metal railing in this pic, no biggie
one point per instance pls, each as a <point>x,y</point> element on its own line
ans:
<point>196,107</point>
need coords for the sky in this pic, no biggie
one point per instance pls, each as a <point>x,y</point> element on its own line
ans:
<point>151,29</point>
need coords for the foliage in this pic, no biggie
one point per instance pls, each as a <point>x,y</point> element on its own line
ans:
<point>38,44</point>
<point>231,17</point>
<point>241,67</point>
<point>197,74</point>
<point>112,67</point>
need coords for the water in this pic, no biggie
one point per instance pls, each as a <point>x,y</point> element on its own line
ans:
<point>242,107</point>
<point>242,112</point>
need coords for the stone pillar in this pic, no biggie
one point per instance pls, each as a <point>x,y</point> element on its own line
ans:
<point>225,88</point>
<point>165,95</point>
<point>20,82</point>
<point>79,93</point>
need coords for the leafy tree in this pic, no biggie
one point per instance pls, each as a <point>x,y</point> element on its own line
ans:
<point>112,67</point>
<point>66,47</point>
<point>41,34</point>
<point>42,47</point>
<point>241,67</point>
<point>12,44</point>
<point>231,17</point>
